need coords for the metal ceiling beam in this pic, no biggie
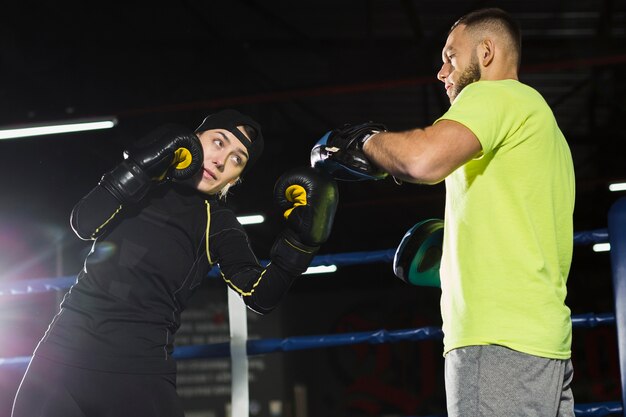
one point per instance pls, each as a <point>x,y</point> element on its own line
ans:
<point>378,85</point>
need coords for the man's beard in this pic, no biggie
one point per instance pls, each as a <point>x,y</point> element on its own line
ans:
<point>470,75</point>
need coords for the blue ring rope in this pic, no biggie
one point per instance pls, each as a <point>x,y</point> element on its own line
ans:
<point>261,346</point>
<point>33,286</point>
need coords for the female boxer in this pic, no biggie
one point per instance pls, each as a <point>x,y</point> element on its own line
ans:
<point>108,352</point>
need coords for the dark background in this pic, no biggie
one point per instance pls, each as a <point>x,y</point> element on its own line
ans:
<point>300,68</point>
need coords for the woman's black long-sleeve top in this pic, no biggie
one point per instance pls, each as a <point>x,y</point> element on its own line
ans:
<point>122,313</point>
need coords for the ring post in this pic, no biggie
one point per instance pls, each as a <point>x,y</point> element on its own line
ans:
<point>617,239</point>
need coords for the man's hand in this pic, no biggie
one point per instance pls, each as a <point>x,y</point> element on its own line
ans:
<point>340,153</point>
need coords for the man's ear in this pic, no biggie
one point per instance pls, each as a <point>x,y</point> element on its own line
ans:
<point>486,51</point>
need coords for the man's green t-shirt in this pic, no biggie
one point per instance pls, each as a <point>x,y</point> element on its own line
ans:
<point>508,234</point>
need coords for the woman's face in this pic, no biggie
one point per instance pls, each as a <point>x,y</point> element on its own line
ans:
<point>224,159</point>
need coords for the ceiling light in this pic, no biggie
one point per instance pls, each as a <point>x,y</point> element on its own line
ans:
<point>618,186</point>
<point>321,269</point>
<point>51,128</point>
<point>251,219</point>
<point>601,247</point>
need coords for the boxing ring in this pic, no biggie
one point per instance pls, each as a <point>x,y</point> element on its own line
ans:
<point>239,348</point>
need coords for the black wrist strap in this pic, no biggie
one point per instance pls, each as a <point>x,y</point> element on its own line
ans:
<point>291,255</point>
<point>127,182</point>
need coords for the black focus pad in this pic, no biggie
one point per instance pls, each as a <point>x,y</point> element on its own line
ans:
<point>418,256</point>
<point>340,153</point>
<point>352,136</point>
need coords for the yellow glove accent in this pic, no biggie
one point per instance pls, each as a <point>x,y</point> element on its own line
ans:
<point>297,195</point>
<point>182,158</point>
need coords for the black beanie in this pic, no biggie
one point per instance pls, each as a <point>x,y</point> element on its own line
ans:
<point>229,119</point>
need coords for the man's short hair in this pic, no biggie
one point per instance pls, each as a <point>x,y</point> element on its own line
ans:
<point>497,20</point>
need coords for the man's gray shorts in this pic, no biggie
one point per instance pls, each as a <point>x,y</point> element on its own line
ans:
<point>494,381</point>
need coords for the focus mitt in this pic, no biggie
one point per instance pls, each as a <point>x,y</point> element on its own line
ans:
<point>418,256</point>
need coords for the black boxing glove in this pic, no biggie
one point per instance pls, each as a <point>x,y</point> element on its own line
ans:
<point>340,153</point>
<point>308,199</point>
<point>170,151</point>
